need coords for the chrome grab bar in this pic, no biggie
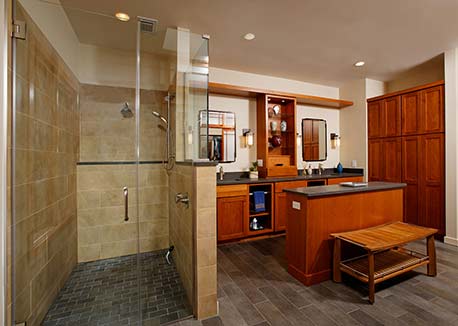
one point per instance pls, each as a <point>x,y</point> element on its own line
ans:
<point>126,204</point>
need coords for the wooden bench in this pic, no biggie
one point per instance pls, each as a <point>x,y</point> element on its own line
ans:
<point>385,257</point>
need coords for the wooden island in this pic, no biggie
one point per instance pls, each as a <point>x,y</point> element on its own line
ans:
<point>314,213</point>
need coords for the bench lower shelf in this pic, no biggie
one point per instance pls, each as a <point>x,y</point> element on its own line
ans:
<point>387,264</point>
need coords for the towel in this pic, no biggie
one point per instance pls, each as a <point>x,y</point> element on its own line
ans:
<point>259,201</point>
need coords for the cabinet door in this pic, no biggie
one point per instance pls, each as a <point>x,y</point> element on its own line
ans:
<point>432,185</point>
<point>375,165</point>
<point>410,176</point>
<point>374,119</point>
<point>231,217</point>
<point>432,110</point>
<point>280,211</point>
<point>391,117</point>
<point>391,159</point>
<point>410,113</point>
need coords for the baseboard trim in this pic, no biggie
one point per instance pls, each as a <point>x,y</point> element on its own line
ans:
<point>451,241</point>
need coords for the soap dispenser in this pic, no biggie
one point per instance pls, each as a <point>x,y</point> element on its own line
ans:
<point>310,170</point>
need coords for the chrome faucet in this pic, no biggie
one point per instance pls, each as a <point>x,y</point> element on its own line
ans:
<point>221,173</point>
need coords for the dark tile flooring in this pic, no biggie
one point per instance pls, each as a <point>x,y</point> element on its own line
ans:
<point>254,288</point>
<point>111,292</point>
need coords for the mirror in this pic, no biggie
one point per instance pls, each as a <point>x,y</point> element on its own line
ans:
<point>217,135</point>
<point>314,145</point>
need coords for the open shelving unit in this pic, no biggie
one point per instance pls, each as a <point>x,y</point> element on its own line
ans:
<point>276,145</point>
<point>265,218</point>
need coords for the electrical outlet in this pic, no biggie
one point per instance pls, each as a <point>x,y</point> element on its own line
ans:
<point>296,205</point>
<point>260,163</point>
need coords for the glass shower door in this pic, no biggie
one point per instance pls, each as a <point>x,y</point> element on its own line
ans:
<point>75,232</point>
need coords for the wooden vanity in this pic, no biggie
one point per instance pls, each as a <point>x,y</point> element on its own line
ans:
<point>233,204</point>
<point>315,213</point>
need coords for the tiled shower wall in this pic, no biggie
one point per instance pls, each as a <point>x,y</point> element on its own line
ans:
<point>107,155</point>
<point>181,225</point>
<point>47,141</point>
<point>102,231</point>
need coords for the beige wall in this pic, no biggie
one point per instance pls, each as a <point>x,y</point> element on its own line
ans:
<point>181,225</point>
<point>427,72</point>
<point>102,231</point>
<point>107,136</point>
<point>47,141</point>
<point>451,147</point>
<point>205,241</point>
<point>245,111</point>
<point>52,20</point>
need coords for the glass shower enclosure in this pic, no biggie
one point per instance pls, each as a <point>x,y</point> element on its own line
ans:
<point>104,127</point>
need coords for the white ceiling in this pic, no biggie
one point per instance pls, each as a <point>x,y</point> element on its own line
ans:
<point>308,40</point>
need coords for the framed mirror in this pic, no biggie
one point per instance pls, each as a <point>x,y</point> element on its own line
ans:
<point>314,142</point>
<point>217,135</point>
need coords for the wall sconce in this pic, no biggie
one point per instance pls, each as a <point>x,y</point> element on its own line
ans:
<point>335,140</point>
<point>298,139</point>
<point>190,135</point>
<point>249,137</point>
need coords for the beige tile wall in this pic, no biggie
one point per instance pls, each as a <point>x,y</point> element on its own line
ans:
<point>205,241</point>
<point>181,226</point>
<point>47,146</point>
<point>193,233</point>
<point>107,136</point>
<point>102,231</point>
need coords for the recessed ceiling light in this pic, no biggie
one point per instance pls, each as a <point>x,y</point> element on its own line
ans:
<point>359,64</point>
<point>122,16</point>
<point>249,36</point>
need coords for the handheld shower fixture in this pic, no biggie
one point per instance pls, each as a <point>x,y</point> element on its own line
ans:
<point>158,115</point>
<point>126,111</point>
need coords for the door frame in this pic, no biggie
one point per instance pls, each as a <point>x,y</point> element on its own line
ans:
<point>4,92</point>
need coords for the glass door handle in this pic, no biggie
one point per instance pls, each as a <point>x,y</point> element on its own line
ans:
<point>126,204</point>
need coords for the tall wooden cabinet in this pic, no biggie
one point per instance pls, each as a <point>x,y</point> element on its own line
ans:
<point>276,132</point>
<point>406,144</point>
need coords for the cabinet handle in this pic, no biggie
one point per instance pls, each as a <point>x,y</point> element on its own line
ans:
<point>126,204</point>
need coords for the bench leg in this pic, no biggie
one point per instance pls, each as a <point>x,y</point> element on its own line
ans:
<point>336,273</point>
<point>431,252</point>
<point>371,283</point>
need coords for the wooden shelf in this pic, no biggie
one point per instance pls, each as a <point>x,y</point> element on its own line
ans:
<point>241,91</point>
<point>388,264</point>
<point>253,214</point>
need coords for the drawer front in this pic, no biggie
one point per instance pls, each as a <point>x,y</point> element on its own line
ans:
<point>231,190</point>
<point>279,186</point>
<point>334,181</point>
<point>278,161</point>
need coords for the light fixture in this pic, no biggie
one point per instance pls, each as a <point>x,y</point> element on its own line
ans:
<point>335,140</point>
<point>359,63</point>
<point>249,137</point>
<point>298,139</point>
<point>122,16</point>
<point>249,36</point>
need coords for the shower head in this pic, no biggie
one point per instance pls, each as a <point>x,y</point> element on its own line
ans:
<point>158,115</point>
<point>126,111</point>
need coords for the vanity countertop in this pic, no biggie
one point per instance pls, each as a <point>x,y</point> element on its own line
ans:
<point>244,180</point>
<point>333,190</point>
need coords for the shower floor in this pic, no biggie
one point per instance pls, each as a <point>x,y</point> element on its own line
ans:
<point>106,292</point>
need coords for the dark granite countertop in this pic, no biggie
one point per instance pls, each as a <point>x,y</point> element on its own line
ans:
<point>245,180</point>
<point>333,190</point>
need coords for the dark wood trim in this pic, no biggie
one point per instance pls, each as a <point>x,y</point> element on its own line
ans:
<point>405,91</point>
<point>242,91</point>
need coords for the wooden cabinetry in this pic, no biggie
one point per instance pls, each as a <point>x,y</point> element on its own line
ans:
<point>235,216</point>
<point>280,202</point>
<point>409,147</point>
<point>276,146</point>
<point>231,217</point>
<point>232,210</point>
